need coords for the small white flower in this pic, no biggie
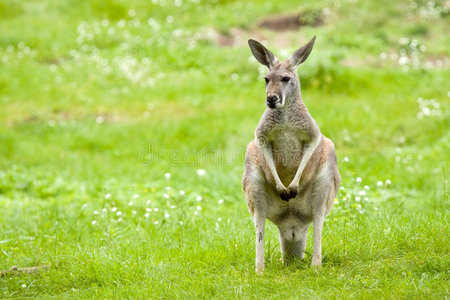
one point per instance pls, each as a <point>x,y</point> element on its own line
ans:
<point>358,199</point>
<point>108,196</point>
<point>166,215</point>
<point>172,206</point>
<point>104,210</point>
<point>167,188</point>
<point>358,179</point>
<point>219,219</point>
<point>131,203</point>
<point>201,172</point>
<point>24,285</point>
<point>199,208</point>
<point>84,206</point>
<point>180,222</point>
<point>196,213</point>
<point>182,193</point>
<point>155,209</point>
<point>135,196</point>
<point>95,212</point>
<point>362,193</point>
<point>199,198</point>
<point>94,222</point>
<point>134,212</point>
<point>119,213</point>
<point>346,159</point>
<point>366,187</point>
<point>379,183</point>
<point>388,182</point>
<point>113,209</point>
<point>148,209</point>
<point>220,201</point>
<point>147,215</point>
<point>166,196</point>
<point>156,222</point>
<point>119,220</point>
<point>148,202</point>
<point>167,175</point>
<point>376,208</point>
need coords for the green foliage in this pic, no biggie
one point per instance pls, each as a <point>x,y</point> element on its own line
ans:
<point>123,127</point>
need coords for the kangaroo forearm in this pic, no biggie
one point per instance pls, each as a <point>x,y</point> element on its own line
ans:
<point>267,153</point>
<point>310,148</point>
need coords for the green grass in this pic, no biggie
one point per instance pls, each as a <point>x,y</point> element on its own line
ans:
<point>98,103</point>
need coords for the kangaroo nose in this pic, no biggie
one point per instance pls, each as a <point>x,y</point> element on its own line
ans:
<point>271,100</point>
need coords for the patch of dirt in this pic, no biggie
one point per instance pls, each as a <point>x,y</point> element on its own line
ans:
<point>288,22</point>
<point>281,30</point>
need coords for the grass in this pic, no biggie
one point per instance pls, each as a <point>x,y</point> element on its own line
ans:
<point>99,100</point>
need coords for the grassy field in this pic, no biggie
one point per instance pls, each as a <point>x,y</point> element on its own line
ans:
<point>123,126</point>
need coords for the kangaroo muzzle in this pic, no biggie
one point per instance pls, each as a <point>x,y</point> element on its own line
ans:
<point>272,100</point>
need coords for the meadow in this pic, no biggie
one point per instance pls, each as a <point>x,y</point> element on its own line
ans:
<point>123,128</point>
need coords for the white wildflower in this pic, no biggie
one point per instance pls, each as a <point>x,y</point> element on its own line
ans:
<point>201,172</point>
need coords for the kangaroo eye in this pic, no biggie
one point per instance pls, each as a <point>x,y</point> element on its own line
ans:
<point>286,79</point>
<point>266,79</point>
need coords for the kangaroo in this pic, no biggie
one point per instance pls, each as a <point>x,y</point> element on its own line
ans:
<point>291,175</point>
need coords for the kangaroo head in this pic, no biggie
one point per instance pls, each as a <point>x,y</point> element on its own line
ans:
<point>282,83</point>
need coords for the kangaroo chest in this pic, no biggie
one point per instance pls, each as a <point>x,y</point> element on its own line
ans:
<point>287,150</point>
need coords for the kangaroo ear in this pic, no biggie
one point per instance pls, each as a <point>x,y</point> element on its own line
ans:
<point>262,54</point>
<point>301,54</point>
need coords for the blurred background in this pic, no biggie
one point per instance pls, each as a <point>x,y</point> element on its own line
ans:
<point>110,109</point>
